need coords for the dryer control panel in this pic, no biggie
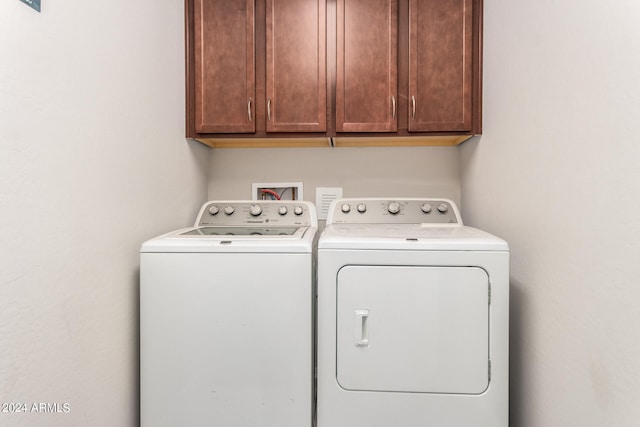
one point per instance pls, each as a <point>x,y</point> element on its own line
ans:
<point>276,213</point>
<point>394,211</point>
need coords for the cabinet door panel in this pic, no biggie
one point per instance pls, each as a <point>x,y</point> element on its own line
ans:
<point>366,74</point>
<point>296,66</point>
<point>224,65</point>
<point>440,65</point>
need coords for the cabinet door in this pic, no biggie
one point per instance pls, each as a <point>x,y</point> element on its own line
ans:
<point>296,66</point>
<point>224,66</point>
<point>440,65</point>
<point>366,71</point>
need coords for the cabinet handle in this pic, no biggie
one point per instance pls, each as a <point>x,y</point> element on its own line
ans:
<point>269,109</point>
<point>393,101</point>
<point>413,107</point>
<point>249,108</point>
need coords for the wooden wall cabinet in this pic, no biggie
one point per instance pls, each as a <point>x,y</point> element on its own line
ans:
<point>296,66</point>
<point>367,64</point>
<point>256,69</point>
<point>440,65</point>
<point>224,66</point>
<point>344,72</point>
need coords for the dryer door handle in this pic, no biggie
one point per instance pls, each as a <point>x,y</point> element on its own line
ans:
<point>361,329</point>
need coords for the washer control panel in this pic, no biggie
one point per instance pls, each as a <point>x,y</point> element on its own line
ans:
<point>257,212</point>
<point>394,211</point>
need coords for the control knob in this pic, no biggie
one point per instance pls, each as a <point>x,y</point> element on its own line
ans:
<point>229,210</point>
<point>393,208</point>
<point>345,208</point>
<point>213,210</point>
<point>362,208</point>
<point>282,210</point>
<point>426,208</point>
<point>443,208</point>
<point>298,210</point>
<point>255,210</point>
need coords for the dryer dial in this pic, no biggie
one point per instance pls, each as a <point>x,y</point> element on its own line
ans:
<point>393,208</point>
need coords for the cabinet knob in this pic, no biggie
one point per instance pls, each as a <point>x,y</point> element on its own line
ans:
<point>269,109</point>
<point>249,108</point>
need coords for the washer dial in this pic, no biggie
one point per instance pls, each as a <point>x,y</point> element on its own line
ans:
<point>255,210</point>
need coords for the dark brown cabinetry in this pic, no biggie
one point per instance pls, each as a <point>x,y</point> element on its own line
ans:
<point>345,72</point>
<point>366,71</point>
<point>440,65</point>
<point>256,69</point>
<point>224,66</point>
<point>296,66</point>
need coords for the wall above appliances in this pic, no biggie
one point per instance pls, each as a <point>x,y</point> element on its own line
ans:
<point>333,72</point>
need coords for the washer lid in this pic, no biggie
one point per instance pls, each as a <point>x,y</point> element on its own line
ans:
<point>408,237</point>
<point>234,239</point>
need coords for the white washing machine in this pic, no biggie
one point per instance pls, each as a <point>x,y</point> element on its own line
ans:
<point>413,317</point>
<point>226,318</point>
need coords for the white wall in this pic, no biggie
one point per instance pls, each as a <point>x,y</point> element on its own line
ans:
<point>362,172</point>
<point>93,161</point>
<point>557,174</point>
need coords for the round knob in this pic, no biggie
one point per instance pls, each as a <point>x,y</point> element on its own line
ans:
<point>298,210</point>
<point>362,208</point>
<point>393,208</point>
<point>213,210</point>
<point>282,210</point>
<point>443,208</point>
<point>426,208</point>
<point>229,210</point>
<point>346,208</point>
<point>255,210</point>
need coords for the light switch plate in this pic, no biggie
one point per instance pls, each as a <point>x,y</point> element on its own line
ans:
<point>324,197</point>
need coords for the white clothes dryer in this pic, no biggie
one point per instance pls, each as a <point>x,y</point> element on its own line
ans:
<point>227,319</point>
<point>413,317</point>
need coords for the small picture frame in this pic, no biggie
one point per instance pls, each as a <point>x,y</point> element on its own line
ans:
<point>35,4</point>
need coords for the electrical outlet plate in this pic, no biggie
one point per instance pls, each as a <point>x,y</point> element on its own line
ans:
<point>276,191</point>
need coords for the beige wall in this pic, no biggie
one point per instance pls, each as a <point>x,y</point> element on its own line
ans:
<point>93,161</point>
<point>557,174</point>
<point>362,172</point>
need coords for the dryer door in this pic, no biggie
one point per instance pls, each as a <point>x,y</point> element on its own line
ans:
<point>413,329</point>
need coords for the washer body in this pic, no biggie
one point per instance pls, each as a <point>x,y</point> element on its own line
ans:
<point>226,318</point>
<point>413,312</point>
